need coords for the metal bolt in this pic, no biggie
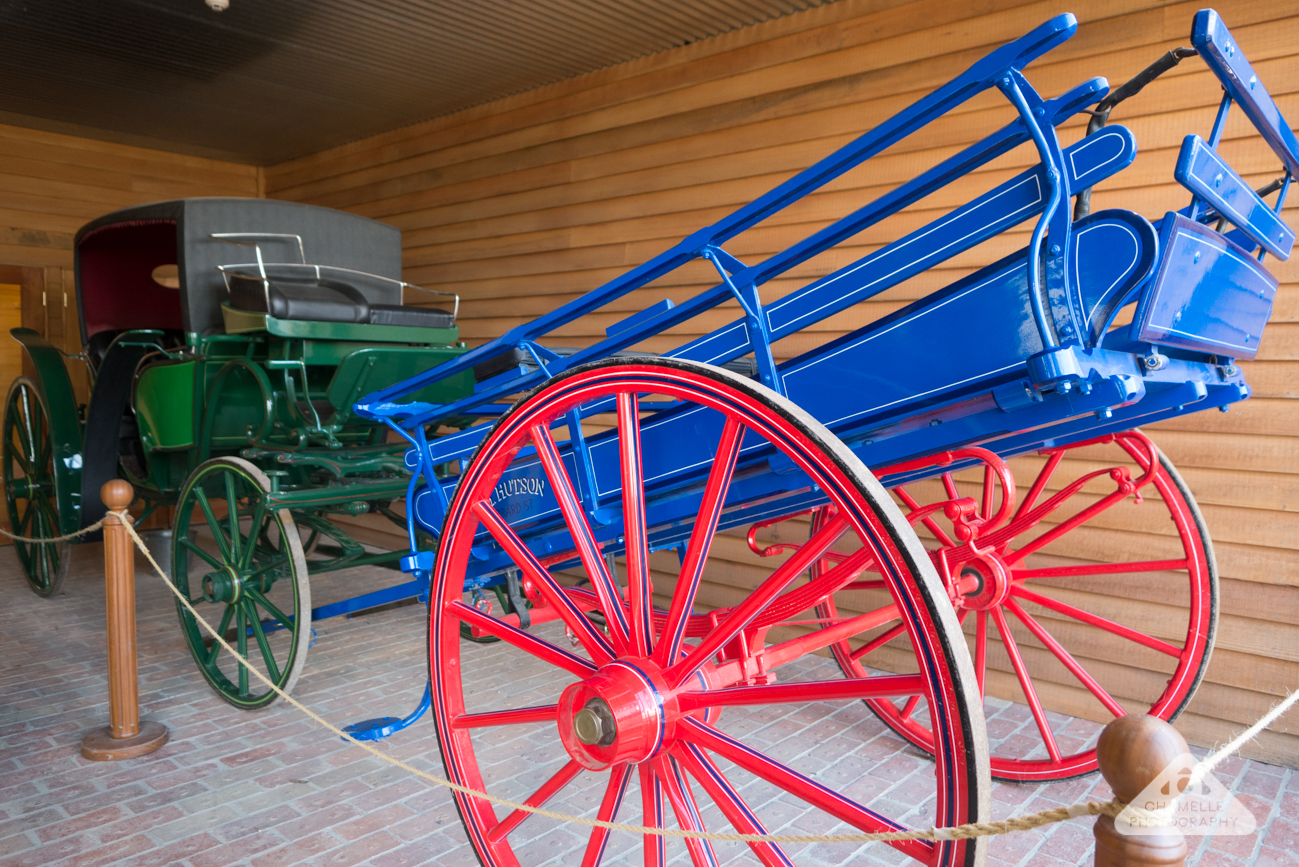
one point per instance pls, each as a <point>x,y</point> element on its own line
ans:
<point>1055,249</point>
<point>594,724</point>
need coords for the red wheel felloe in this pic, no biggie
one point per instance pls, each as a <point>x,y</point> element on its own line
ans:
<point>1052,594</point>
<point>622,701</point>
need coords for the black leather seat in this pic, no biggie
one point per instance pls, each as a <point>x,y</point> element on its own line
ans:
<point>327,300</point>
<point>418,317</point>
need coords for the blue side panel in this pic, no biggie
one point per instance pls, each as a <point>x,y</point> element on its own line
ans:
<point>1208,295</point>
<point>907,358</point>
<point>1114,251</point>
<point>1220,51</point>
<point>971,336</point>
<point>1206,174</point>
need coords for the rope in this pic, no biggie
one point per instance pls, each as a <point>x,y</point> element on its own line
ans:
<point>92,528</point>
<point>961,832</point>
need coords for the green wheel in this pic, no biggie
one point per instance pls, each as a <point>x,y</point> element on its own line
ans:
<point>240,564</point>
<point>31,492</point>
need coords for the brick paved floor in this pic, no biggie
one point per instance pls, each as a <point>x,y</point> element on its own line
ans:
<point>268,788</point>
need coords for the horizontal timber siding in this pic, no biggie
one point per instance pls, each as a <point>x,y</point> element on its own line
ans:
<point>526,203</point>
<point>52,184</point>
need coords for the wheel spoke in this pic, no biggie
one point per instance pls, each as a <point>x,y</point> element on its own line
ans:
<point>763,767</point>
<point>613,795</point>
<point>222,542</point>
<point>1090,569</point>
<point>221,631</point>
<point>639,592</point>
<point>587,548</point>
<point>683,806</point>
<point>939,533</point>
<point>1026,683</point>
<point>989,492</point>
<point>741,615</point>
<point>241,637</point>
<point>190,546</point>
<point>25,520</point>
<point>254,530</point>
<point>1097,621</point>
<point>651,799</point>
<point>728,800</point>
<point>20,460</point>
<point>27,425</point>
<point>1065,657</point>
<point>232,518</point>
<point>1039,485</point>
<point>548,790</point>
<point>543,650</point>
<point>796,648</point>
<point>591,639</point>
<point>880,686</point>
<point>876,643</point>
<point>980,648</point>
<point>279,560</point>
<point>1068,526</point>
<point>518,716</point>
<point>701,540</point>
<point>255,621</point>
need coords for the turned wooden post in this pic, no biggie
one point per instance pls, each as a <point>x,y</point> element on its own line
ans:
<point>125,737</point>
<point>1132,752</point>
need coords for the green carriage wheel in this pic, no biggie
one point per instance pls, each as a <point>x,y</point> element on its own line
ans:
<point>31,487</point>
<point>240,564</point>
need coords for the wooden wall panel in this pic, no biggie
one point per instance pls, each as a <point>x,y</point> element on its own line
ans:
<point>52,184</point>
<point>525,203</point>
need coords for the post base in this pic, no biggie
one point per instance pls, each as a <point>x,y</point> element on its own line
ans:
<point>100,746</point>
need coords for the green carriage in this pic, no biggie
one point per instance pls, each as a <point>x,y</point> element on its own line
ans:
<point>224,343</point>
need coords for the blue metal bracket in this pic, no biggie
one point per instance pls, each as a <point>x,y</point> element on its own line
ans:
<point>382,727</point>
<point>755,319</point>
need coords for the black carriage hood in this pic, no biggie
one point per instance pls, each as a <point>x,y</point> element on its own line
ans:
<point>116,254</point>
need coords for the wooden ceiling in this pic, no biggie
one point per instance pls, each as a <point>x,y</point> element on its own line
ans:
<point>269,80</point>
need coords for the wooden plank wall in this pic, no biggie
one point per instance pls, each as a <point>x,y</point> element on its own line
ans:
<point>52,184</point>
<point>522,204</point>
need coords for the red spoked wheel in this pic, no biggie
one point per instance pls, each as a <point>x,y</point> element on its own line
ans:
<point>615,700</point>
<point>1095,594</point>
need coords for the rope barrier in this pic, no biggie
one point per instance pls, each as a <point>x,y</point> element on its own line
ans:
<point>1110,808</point>
<point>92,528</point>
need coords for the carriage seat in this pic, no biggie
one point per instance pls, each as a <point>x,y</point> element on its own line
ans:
<point>326,300</point>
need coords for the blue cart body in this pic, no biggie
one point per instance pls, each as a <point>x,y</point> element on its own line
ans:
<point>1020,356</point>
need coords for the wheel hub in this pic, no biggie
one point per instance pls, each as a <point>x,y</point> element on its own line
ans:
<point>984,582</point>
<point>622,713</point>
<point>223,585</point>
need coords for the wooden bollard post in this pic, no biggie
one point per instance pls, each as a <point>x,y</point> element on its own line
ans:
<point>125,737</point>
<point>1132,752</point>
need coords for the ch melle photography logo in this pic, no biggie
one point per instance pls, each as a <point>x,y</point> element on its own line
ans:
<point>1194,807</point>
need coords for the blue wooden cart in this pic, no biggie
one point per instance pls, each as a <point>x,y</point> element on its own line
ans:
<point>604,461</point>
